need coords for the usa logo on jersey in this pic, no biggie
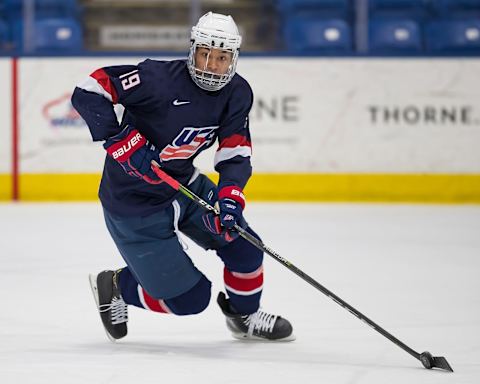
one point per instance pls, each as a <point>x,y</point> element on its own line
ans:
<point>188,142</point>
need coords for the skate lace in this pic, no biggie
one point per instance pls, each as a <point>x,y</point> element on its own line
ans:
<point>118,308</point>
<point>260,321</point>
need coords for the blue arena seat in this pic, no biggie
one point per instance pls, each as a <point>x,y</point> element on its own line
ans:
<point>396,4</point>
<point>394,36</point>
<point>58,34</point>
<point>43,8</point>
<point>398,8</point>
<point>317,8</point>
<point>3,34</point>
<point>314,4</point>
<point>309,34</point>
<point>460,8</point>
<point>40,3</point>
<point>454,36</point>
<point>51,35</point>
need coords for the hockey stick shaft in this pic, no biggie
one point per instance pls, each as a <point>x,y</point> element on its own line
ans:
<point>259,244</point>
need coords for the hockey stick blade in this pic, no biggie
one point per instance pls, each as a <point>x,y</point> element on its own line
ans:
<point>430,361</point>
<point>442,363</point>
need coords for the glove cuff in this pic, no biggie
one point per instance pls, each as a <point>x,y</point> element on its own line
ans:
<point>123,148</point>
<point>234,193</point>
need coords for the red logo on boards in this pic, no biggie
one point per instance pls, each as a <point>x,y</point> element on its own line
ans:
<point>61,114</point>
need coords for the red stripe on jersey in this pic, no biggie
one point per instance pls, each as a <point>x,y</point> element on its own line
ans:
<point>152,304</point>
<point>181,155</point>
<point>103,79</point>
<point>243,282</point>
<point>234,141</point>
<point>183,152</point>
<point>183,148</point>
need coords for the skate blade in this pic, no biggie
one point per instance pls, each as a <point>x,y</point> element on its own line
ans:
<point>93,285</point>
<point>250,338</point>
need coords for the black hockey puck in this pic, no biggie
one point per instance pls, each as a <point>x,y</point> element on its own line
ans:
<point>427,360</point>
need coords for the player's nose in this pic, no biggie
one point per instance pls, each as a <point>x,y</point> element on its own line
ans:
<point>212,66</point>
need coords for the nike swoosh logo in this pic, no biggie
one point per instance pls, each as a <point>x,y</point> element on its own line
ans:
<point>177,102</point>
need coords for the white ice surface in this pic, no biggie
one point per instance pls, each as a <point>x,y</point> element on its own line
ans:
<point>414,269</point>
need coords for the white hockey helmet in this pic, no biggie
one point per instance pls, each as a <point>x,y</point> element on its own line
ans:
<point>214,30</point>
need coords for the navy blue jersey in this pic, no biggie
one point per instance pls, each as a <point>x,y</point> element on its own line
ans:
<point>174,114</point>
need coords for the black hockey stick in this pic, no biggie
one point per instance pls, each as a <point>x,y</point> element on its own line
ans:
<point>426,358</point>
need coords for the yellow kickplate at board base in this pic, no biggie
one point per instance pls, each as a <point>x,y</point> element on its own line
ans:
<point>420,188</point>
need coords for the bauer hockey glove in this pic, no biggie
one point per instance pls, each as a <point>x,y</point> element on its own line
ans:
<point>230,204</point>
<point>134,153</point>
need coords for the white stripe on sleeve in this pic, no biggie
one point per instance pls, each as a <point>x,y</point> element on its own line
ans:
<point>229,153</point>
<point>91,85</point>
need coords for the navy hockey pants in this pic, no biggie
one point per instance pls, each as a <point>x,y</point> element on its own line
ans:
<point>155,257</point>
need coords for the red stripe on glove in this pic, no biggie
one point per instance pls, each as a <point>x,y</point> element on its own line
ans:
<point>234,193</point>
<point>122,150</point>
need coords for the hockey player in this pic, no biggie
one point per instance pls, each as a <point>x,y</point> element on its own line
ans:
<point>173,111</point>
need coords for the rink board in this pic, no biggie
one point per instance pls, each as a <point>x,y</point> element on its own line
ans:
<point>322,129</point>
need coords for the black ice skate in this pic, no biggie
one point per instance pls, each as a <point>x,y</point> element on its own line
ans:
<point>112,308</point>
<point>256,326</point>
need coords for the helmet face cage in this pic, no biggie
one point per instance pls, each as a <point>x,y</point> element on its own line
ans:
<point>214,31</point>
<point>205,79</point>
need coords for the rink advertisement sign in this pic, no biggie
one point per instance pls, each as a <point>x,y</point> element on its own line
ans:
<point>309,115</point>
<point>365,116</point>
<point>423,115</point>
